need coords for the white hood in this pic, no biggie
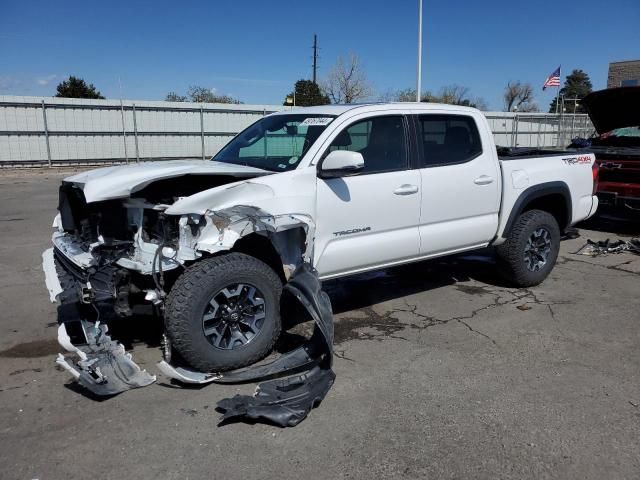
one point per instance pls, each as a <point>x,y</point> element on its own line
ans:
<point>123,180</point>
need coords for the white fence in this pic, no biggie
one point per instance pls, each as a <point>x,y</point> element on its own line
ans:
<point>57,131</point>
<point>35,130</point>
<point>539,130</point>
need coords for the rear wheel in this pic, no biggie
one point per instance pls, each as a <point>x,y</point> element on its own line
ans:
<point>531,249</point>
<point>223,312</point>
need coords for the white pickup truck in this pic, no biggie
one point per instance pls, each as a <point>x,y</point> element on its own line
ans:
<point>344,188</point>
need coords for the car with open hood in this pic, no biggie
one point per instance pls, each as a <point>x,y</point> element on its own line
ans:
<point>615,114</point>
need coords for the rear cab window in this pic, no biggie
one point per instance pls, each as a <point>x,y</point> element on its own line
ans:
<point>447,139</point>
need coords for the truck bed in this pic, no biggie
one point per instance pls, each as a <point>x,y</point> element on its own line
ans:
<point>517,153</point>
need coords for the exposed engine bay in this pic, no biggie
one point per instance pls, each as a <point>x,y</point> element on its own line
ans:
<point>111,254</point>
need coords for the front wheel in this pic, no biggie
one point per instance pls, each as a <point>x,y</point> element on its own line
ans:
<point>531,249</point>
<point>224,312</point>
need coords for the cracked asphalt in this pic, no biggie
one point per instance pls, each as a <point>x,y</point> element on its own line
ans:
<point>443,371</point>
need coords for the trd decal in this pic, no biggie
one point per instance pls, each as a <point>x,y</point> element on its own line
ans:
<point>352,231</point>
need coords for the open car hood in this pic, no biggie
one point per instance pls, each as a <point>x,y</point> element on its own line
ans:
<point>613,108</point>
<point>121,181</point>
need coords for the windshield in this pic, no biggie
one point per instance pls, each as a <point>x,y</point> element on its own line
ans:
<point>275,143</point>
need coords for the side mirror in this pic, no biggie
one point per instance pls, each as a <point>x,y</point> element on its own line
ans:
<point>341,163</point>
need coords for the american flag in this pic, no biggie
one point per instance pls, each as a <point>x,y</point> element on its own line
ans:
<point>552,80</point>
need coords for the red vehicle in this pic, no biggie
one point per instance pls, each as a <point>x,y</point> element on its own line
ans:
<point>615,114</point>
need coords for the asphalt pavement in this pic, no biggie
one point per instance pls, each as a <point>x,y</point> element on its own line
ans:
<point>443,371</point>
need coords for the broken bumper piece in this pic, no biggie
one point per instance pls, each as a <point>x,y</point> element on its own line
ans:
<point>307,369</point>
<point>285,402</point>
<point>103,368</point>
<point>50,275</point>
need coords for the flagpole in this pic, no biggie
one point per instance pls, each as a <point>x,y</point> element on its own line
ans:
<point>558,94</point>
<point>419,79</point>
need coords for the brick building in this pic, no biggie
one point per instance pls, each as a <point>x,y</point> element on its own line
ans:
<point>624,74</point>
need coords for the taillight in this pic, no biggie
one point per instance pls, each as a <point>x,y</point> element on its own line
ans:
<point>595,170</point>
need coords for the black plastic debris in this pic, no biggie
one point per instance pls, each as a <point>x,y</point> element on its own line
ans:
<point>284,402</point>
<point>295,382</point>
<point>570,233</point>
<point>605,247</point>
<point>287,401</point>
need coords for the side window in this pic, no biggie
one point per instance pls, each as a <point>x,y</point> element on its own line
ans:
<point>380,140</point>
<point>448,139</point>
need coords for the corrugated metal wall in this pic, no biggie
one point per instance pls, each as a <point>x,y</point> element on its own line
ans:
<point>537,129</point>
<point>43,130</point>
<point>79,130</point>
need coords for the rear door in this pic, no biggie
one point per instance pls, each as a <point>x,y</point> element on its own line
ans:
<point>461,182</point>
<point>370,219</point>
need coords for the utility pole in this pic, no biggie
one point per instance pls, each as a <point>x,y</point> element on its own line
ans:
<point>315,56</point>
<point>419,81</point>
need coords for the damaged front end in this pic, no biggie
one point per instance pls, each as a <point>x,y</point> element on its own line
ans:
<point>110,255</point>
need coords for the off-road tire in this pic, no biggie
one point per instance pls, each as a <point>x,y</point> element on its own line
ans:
<point>188,299</point>
<point>512,252</point>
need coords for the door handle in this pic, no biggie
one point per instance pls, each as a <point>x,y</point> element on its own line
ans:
<point>483,180</point>
<point>406,189</point>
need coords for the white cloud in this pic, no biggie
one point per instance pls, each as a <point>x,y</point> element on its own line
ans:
<point>44,81</point>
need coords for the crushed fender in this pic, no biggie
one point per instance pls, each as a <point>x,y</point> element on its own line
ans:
<point>103,368</point>
<point>604,247</point>
<point>281,401</point>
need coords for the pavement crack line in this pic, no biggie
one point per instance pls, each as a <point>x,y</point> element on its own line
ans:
<point>607,267</point>
<point>478,332</point>
<point>388,325</point>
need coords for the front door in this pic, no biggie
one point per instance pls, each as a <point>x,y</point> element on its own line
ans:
<point>370,219</point>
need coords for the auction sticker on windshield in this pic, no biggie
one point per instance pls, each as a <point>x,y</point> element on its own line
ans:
<point>317,121</point>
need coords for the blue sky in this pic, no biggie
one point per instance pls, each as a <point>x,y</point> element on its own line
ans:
<point>255,50</point>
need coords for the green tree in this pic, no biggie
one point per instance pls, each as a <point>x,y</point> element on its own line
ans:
<point>307,94</point>
<point>577,85</point>
<point>75,87</point>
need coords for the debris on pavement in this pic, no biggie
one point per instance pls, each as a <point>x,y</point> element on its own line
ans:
<point>605,247</point>
<point>104,368</point>
<point>281,401</point>
<point>292,384</point>
<point>570,233</point>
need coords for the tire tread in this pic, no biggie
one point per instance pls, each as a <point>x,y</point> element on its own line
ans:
<point>510,252</point>
<point>185,292</point>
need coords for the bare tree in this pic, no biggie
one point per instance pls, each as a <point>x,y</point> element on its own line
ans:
<point>208,95</point>
<point>404,95</point>
<point>175,97</point>
<point>451,94</point>
<point>347,82</point>
<point>519,96</point>
<point>198,94</point>
<point>454,95</point>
